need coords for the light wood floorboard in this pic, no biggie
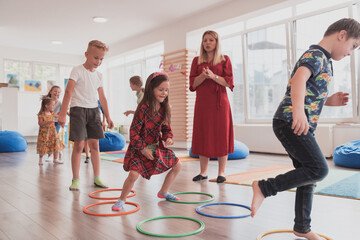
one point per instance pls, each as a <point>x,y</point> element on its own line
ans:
<point>35,203</point>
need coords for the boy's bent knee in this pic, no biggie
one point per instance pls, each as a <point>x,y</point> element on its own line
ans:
<point>320,173</point>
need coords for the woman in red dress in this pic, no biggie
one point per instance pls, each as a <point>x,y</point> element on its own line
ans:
<point>213,135</point>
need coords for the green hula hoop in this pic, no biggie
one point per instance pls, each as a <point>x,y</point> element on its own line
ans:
<point>202,227</point>
<point>207,194</point>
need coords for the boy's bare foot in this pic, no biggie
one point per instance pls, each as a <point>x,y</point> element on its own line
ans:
<point>310,235</point>
<point>258,198</point>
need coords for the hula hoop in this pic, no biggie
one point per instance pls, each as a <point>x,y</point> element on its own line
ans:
<point>284,231</point>
<point>207,194</point>
<point>214,216</point>
<point>109,198</point>
<point>202,227</point>
<point>110,214</point>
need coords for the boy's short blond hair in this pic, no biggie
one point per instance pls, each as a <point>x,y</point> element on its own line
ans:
<point>98,44</point>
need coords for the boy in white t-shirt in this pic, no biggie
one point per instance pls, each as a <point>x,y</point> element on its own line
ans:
<point>84,85</point>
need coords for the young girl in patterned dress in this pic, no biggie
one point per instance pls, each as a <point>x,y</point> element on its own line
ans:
<point>150,133</point>
<point>48,141</point>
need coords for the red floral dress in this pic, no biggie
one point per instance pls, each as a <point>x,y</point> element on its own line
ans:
<point>48,141</point>
<point>213,134</point>
<point>146,131</point>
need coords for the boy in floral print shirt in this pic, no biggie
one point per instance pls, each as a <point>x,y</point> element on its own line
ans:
<point>296,118</point>
<point>318,61</point>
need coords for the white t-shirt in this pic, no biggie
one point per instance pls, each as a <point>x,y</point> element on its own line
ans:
<point>85,92</point>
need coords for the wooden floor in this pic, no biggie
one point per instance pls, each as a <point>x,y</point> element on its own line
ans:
<point>35,203</point>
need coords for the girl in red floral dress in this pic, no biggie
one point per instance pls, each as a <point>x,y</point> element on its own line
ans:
<point>150,133</point>
<point>48,141</point>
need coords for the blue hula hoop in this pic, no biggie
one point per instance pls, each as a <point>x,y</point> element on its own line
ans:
<point>214,216</point>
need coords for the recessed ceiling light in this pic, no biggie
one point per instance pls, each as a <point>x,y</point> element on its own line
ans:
<point>99,19</point>
<point>56,42</point>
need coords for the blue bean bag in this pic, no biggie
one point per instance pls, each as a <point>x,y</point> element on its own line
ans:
<point>113,141</point>
<point>240,151</point>
<point>348,155</point>
<point>11,141</point>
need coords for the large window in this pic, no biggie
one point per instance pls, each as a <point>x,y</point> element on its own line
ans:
<point>306,36</point>
<point>273,42</point>
<point>48,74</point>
<point>232,47</point>
<point>141,62</point>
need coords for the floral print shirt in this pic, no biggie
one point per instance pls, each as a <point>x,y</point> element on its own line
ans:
<point>318,60</point>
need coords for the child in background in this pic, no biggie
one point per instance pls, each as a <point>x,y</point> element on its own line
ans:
<point>48,141</point>
<point>296,119</point>
<point>136,85</point>
<point>54,93</point>
<point>84,87</point>
<point>150,129</point>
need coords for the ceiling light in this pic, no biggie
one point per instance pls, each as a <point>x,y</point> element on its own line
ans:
<point>99,19</point>
<point>56,42</point>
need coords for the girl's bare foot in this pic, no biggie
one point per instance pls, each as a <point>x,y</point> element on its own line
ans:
<point>258,198</point>
<point>310,235</point>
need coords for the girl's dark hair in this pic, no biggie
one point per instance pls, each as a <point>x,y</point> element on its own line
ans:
<point>149,98</point>
<point>350,25</point>
<point>45,100</point>
<point>55,86</point>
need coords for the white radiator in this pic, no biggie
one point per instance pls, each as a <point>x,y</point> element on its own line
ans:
<point>261,138</point>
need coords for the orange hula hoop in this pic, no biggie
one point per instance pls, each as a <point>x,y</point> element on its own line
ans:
<point>285,231</point>
<point>110,198</point>
<point>110,214</point>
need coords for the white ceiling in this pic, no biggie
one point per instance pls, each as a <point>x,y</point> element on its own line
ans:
<point>33,24</point>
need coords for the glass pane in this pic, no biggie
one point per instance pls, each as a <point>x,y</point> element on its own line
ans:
<point>267,71</point>
<point>135,56</point>
<point>233,48</point>
<point>306,36</point>
<point>230,29</point>
<point>64,73</point>
<point>45,73</point>
<point>21,69</point>
<point>151,65</point>
<point>157,50</point>
<point>314,5</point>
<point>122,98</point>
<point>269,18</point>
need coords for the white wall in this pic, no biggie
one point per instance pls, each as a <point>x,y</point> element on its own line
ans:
<point>28,102</point>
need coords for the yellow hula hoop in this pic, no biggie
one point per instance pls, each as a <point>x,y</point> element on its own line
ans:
<point>285,231</point>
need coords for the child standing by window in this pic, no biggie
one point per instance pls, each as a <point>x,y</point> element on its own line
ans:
<point>84,87</point>
<point>54,93</point>
<point>296,119</point>
<point>48,141</point>
<point>150,129</point>
<point>136,85</point>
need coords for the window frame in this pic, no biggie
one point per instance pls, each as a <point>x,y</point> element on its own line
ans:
<point>290,25</point>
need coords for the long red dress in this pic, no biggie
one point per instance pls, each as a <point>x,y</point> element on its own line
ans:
<point>213,134</point>
<point>147,131</point>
